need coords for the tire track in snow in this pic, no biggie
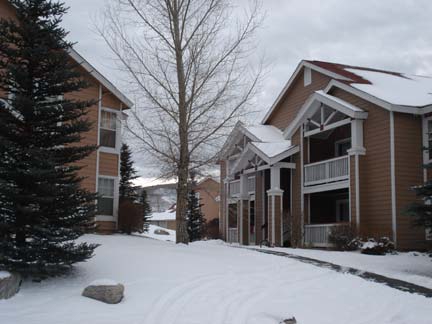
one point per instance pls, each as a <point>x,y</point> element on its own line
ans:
<point>168,307</point>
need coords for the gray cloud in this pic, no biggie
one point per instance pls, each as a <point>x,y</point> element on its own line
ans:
<point>388,34</point>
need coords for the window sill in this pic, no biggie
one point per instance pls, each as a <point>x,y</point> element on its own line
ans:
<point>111,150</point>
<point>104,218</point>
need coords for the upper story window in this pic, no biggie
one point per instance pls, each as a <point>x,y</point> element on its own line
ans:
<point>106,199</point>
<point>108,129</point>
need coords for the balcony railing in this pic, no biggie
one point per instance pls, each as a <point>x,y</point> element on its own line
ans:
<point>234,188</point>
<point>326,171</point>
<point>232,235</point>
<point>318,235</point>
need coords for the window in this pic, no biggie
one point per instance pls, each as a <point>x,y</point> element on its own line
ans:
<point>106,199</point>
<point>429,138</point>
<point>108,129</point>
<point>342,210</point>
<point>342,147</point>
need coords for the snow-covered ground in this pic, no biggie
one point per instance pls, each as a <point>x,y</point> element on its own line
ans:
<point>413,267</point>
<point>209,282</point>
<point>153,233</point>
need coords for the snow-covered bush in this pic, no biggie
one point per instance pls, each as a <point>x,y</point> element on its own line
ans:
<point>380,247</point>
<point>344,238</point>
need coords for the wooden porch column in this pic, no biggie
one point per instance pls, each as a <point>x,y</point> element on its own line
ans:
<point>357,150</point>
<point>259,205</point>
<point>275,195</point>
<point>243,204</point>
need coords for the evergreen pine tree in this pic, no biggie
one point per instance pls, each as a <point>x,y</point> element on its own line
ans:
<point>127,174</point>
<point>43,207</point>
<point>194,217</point>
<point>146,210</point>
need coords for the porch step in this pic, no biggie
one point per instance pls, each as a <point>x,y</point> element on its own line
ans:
<point>369,276</point>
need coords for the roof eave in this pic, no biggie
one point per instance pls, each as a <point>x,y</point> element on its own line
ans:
<point>300,66</point>
<point>98,76</point>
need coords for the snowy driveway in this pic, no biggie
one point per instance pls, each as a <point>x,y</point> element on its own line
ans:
<point>209,283</point>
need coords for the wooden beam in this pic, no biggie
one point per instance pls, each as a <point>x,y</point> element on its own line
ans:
<point>328,127</point>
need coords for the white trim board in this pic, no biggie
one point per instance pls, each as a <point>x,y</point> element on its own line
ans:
<point>314,102</point>
<point>326,187</point>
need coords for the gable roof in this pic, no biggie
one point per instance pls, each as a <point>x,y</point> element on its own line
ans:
<point>93,72</point>
<point>256,133</point>
<point>315,101</point>
<point>392,90</point>
<point>99,77</point>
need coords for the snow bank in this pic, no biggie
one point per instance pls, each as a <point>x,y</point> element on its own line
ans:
<point>412,267</point>
<point>162,216</point>
<point>151,234</point>
<point>4,274</point>
<point>103,282</point>
<point>208,282</point>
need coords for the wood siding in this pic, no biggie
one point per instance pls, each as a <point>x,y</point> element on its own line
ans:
<point>374,168</point>
<point>408,172</point>
<point>108,164</point>
<point>294,99</point>
<point>209,190</point>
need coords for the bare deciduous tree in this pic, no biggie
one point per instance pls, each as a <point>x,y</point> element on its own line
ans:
<point>190,72</point>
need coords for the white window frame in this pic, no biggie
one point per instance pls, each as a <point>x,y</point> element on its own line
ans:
<point>116,149</point>
<point>426,120</point>
<point>341,141</point>
<point>113,217</point>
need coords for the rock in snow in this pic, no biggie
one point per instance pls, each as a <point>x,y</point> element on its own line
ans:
<point>289,321</point>
<point>105,290</point>
<point>9,284</point>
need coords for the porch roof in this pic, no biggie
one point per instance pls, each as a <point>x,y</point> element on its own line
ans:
<point>255,133</point>
<point>315,101</point>
<point>269,153</point>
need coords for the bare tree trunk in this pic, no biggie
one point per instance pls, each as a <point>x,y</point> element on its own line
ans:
<point>183,167</point>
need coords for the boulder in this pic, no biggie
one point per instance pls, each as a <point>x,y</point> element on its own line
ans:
<point>105,291</point>
<point>289,321</point>
<point>9,284</point>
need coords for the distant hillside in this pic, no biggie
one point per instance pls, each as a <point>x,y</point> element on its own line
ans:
<point>161,197</point>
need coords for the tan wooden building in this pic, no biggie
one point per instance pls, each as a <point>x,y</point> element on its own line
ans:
<point>340,145</point>
<point>208,192</point>
<point>101,168</point>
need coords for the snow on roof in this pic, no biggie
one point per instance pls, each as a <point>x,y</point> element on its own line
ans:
<point>273,149</point>
<point>397,89</point>
<point>265,133</point>
<point>163,216</point>
<point>393,87</point>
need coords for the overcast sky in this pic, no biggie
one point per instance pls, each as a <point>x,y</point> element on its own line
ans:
<point>388,34</point>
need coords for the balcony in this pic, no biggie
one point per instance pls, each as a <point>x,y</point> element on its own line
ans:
<point>318,235</point>
<point>234,187</point>
<point>327,171</point>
